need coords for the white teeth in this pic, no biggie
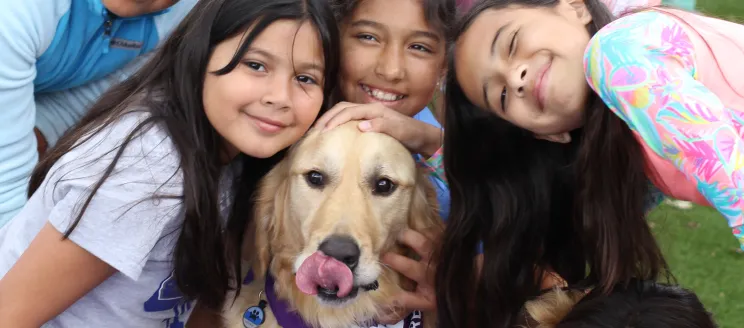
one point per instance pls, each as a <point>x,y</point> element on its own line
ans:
<point>381,95</point>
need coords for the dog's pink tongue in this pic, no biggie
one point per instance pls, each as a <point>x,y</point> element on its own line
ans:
<point>324,271</point>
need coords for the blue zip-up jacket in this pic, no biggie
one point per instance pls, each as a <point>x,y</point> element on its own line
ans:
<point>57,57</point>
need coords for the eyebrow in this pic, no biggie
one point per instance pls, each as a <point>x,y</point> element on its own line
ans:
<point>307,66</point>
<point>496,38</point>
<point>301,67</point>
<point>493,52</point>
<point>254,50</point>
<point>416,33</point>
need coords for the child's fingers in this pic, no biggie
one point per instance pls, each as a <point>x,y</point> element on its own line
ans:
<point>419,242</point>
<point>414,270</point>
<point>323,119</point>
<point>360,112</point>
<point>416,301</point>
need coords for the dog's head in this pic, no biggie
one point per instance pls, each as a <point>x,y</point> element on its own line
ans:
<point>328,211</point>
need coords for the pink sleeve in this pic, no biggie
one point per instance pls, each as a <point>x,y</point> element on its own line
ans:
<point>619,7</point>
<point>643,68</point>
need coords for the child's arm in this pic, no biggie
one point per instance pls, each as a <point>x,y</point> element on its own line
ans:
<point>121,225</point>
<point>48,278</point>
<point>643,67</point>
<point>435,165</point>
<point>26,31</point>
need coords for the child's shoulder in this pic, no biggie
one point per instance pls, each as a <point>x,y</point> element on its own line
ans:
<point>143,144</point>
<point>641,26</point>
<point>136,128</point>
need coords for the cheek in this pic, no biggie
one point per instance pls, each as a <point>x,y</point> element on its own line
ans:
<point>307,105</point>
<point>356,63</point>
<point>424,75</point>
<point>226,93</point>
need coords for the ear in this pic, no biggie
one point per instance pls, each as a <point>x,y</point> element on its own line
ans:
<point>559,137</point>
<point>269,214</point>
<point>582,13</point>
<point>425,208</point>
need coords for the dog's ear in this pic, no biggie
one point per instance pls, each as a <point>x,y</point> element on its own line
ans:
<point>425,208</point>
<point>269,213</point>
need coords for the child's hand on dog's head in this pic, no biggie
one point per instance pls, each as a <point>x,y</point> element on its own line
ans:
<point>423,271</point>
<point>419,137</point>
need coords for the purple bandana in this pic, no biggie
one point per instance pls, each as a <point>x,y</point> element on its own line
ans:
<point>290,319</point>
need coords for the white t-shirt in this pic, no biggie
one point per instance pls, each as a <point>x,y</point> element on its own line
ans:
<point>123,226</point>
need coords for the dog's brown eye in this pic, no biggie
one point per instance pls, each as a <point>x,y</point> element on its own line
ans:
<point>315,179</point>
<point>384,187</point>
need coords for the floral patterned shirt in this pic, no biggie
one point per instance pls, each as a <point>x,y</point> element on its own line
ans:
<point>643,66</point>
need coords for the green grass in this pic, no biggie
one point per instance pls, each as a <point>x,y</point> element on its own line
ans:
<point>702,254</point>
<point>698,244</point>
<point>732,10</point>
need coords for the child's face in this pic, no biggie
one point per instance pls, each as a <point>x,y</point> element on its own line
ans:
<point>390,55</point>
<point>526,65</point>
<point>132,8</point>
<point>273,96</point>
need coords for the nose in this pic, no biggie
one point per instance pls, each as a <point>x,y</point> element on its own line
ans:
<point>390,64</point>
<point>342,248</point>
<point>517,80</point>
<point>276,93</point>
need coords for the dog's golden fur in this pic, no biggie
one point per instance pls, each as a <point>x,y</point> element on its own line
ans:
<point>293,218</point>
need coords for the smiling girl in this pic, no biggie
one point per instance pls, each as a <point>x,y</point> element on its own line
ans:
<point>132,215</point>
<point>564,127</point>
<point>392,64</point>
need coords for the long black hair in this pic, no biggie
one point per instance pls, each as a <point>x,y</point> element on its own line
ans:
<point>577,208</point>
<point>169,86</point>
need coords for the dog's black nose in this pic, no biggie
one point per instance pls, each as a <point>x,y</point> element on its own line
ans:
<point>342,248</point>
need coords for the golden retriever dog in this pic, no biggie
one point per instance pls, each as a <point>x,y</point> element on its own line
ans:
<point>324,216</point>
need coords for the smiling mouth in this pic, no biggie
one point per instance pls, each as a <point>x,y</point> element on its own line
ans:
<point>539,88</point>
<point>380,95</point>
<point>331,295</point>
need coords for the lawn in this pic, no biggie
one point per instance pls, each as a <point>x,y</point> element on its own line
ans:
<point>698,244</point>
<point>732,10</point>
<point>702,254</point>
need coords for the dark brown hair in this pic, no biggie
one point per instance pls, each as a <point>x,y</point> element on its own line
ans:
<point>438,13</point>
<point>576,208</point>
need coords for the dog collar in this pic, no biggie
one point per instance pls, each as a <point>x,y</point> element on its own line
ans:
<point>287,318</point>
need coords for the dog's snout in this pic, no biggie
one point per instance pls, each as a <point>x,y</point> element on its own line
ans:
<point>342,248</point>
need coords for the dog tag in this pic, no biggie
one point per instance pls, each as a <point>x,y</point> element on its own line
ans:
<point>254,315</point>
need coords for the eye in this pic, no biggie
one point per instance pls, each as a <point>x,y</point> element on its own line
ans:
<point>513,41</point>
<point>421,48</point>
<point>366,37</point>
<point>255,66</point>
<point>503,99</point>
<point>383,187</point>
<point>315,179</point>
<point>304,79</point>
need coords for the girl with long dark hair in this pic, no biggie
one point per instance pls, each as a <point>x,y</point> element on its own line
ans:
<point>563,127</point>
<point>140,209</point>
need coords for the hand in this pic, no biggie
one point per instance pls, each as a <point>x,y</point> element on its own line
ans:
<point>423,298</point>
<point>417,136</point>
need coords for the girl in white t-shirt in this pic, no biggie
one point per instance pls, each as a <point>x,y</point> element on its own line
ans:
<point>131,217</point>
